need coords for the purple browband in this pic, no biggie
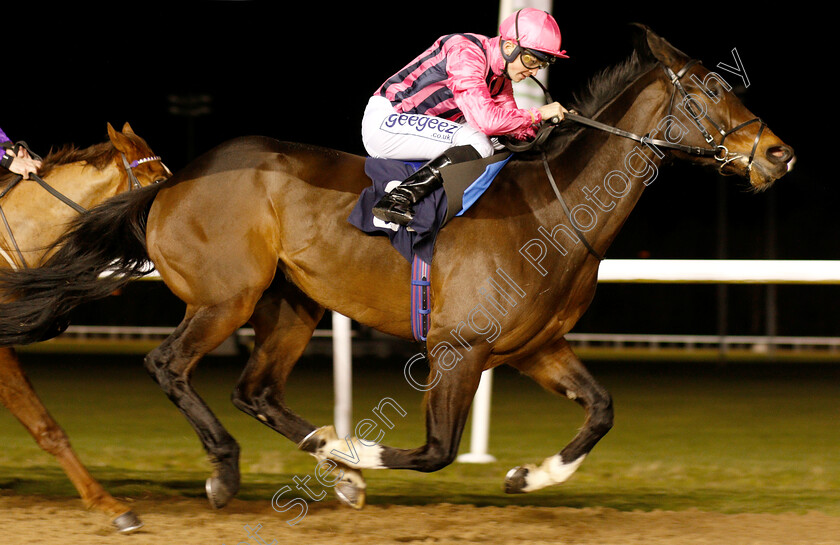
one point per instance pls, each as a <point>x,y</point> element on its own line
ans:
<point>144,160</point>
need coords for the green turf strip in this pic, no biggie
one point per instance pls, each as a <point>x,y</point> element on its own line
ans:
<point>722,438</point>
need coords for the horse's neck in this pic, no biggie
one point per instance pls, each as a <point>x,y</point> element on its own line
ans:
<point>36,218</point>
<point>605,175</point>
<point>87,185</point>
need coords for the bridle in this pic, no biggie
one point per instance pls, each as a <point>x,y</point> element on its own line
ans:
<point>133,183</point>
<point>717,150</point>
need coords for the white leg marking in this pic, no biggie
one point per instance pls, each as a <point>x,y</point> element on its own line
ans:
<point>552,471</point>
<point>350,452</point>
<point>350,487</point>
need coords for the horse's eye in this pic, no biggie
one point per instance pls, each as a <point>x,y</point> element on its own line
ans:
<point>715,90</point>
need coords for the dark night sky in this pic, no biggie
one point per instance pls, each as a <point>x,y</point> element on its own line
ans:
<point>304,74</point>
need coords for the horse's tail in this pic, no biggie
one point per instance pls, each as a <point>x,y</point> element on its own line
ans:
<point>103,249</point>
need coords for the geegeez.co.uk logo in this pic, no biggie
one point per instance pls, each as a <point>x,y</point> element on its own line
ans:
<point>431,127</point>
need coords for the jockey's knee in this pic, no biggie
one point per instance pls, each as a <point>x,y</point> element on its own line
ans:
<point>469,136</point>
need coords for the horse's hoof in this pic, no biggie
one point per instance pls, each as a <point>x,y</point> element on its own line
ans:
<point>351,489</point>
<point>127,523</point>
<point>217,493</point>
<point>516,480</point>
<point>351,494</point>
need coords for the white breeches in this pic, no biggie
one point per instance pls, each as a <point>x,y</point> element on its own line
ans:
<point>414,137</point>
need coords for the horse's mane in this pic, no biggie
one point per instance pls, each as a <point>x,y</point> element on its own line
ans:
<point>98,156</point>
<point>609,83</point>
<point>599,91</point>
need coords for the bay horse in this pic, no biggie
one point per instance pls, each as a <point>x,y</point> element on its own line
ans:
<point>255,231</point>
<point>34,215</point>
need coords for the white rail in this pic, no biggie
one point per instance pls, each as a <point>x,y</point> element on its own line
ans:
<point>729,271</point>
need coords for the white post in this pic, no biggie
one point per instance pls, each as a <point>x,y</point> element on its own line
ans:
<point>342,375</point>
<point>527,95</point>
<point>480,434</point>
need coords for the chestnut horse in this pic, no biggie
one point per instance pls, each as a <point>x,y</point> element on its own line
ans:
<point>256,231</point>
<point>34,216</point>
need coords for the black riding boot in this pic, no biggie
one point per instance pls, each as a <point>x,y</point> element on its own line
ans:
<point>396,206</point>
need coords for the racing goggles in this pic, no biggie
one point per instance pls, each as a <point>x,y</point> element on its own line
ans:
<point>535,59</point>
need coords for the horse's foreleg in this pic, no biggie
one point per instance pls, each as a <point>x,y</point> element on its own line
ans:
<point>558,370</point>
<point>171,364</point>
<point>283,322</point>
<point>17,394</point>
<point>448,399</point>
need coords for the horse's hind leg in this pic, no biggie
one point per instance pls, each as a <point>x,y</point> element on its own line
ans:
<point>283,323</point>
<point>558,370</point>
<point>17,395</point>
<point>171,364</point>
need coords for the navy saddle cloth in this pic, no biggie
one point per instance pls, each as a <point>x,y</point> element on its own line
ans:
<point>463,184</point>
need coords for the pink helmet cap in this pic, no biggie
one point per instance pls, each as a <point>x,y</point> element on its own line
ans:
<point>533,29</point>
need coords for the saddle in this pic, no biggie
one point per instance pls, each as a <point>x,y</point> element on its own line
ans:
<point>463,185</point>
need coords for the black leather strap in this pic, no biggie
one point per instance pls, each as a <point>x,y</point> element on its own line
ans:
<point>55,193</point>
<point>568,212</point>
<point>694,150</point>
<point>6,161</point>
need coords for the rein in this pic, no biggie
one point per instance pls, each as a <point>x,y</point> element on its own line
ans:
<point>57,194</point>
<point>568,212</point>
<point>716,150</point>
<point>133,183</point>
<point>694,150</point>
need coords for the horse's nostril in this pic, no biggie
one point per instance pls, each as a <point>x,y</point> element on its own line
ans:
<point>779,154</point>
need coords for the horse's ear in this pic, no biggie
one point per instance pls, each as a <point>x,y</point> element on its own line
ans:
<point>127,128</point>
<point>639,39</point>
<point>651,45</point>
<point>120,141</point>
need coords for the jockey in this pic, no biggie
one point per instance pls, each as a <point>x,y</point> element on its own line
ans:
<point>22,163</point>
<point>445,105</point>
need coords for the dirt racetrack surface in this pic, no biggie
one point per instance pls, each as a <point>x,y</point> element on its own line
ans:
<point>30,520</point>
